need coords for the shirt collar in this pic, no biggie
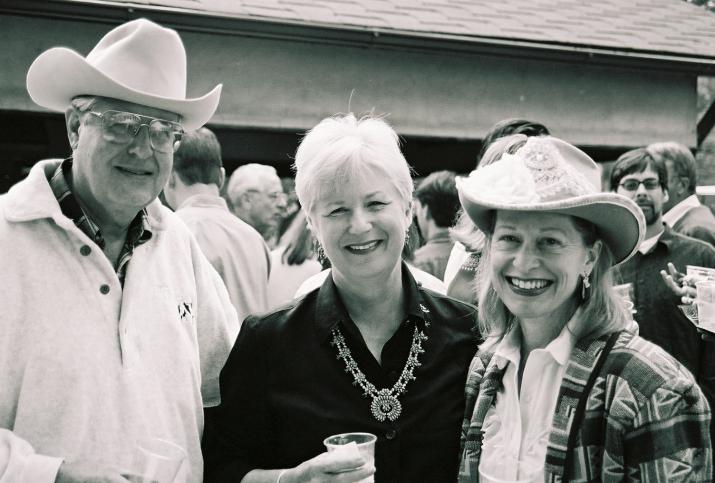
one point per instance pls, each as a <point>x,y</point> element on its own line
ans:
<point>665,238</point>
<point>204,200</point>
<point>330,310</point>
<point>678,211</point>
<point>509,349</point>
<point>139,229</point>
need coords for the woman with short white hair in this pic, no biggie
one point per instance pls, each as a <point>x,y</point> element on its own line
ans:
<point>370,350</point>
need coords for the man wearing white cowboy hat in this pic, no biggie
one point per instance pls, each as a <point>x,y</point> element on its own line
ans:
<point>114,325</point>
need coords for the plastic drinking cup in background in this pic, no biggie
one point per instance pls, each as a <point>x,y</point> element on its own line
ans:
<point>706,304</point>
<point>156,461</point>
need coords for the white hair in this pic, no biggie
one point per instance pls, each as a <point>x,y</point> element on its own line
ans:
<point>340,148</point>
<point>248,177</point>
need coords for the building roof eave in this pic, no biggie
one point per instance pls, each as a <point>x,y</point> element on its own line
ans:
<point>361,36</point>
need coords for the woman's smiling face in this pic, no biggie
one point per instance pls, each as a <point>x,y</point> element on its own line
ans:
<point>537,260</point>
<point>361,225</point>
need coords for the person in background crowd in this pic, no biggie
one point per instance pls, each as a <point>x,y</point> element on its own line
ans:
<point>236,250</point>
<point>683,212</point>
<point>293,262</point>
<point>644,179</point>
<point>464,258</point>
<point>114,324</point>
<point>368,351</point>
<point>436,208</point>
<point>561,390</point>
<point>465,233</point>
<point>292,207</point>
<point>256,195</point>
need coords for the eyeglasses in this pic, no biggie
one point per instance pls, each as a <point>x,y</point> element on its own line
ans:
<point>121,127</point>
<point>633,184</point>
<point>276,196</point>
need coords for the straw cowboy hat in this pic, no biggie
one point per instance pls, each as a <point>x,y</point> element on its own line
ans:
<point>550,175</point>
<point>139,62</point>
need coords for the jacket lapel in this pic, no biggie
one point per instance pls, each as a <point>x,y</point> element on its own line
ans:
<point>581,363</point>
<point>483,382</point>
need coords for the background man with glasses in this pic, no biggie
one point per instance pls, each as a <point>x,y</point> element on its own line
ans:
<point>644,179</point>
<point>256,194</point>
<point>114,326</point>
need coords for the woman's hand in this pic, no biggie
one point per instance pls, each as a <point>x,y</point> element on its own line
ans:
<point>329,467</point>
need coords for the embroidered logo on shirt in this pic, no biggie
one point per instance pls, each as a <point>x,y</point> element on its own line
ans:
<point>186,311</point>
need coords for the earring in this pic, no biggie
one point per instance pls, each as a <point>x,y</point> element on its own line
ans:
<point>585,287</point>
<point>318,250</point>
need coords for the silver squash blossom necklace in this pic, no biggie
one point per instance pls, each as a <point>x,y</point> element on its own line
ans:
<point>385,404</point>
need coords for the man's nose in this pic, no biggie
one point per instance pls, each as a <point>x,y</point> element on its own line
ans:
<point>141,144</point>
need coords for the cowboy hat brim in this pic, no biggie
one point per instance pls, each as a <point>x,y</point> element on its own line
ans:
<point>60,74</point>
<point>619,220</point>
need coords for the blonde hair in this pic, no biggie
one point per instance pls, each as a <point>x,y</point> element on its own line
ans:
<point>340,148</point>
<point>601,312</point>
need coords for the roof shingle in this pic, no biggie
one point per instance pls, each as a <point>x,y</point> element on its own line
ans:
<point>662,26</point>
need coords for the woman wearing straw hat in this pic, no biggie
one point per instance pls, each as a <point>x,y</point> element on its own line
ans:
<point>560,390</point>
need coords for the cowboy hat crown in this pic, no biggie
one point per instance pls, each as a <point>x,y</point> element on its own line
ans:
<point>551,175</point>
<point>139,62</point>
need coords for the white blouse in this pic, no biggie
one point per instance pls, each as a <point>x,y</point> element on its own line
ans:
<point>517,427</point>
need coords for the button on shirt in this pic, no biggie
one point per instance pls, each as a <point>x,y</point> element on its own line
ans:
<point>516,429</point>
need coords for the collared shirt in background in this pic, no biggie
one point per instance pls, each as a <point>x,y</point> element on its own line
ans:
<point>674,214</point>
<point>693,219</point>
<point>432,257</point>
<point>235,249</point>
<point>659,318</point>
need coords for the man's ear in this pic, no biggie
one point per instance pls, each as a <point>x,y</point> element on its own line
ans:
<point>72,123</point>
<point>171,182</point>
<point>221,177</point>
<point>666,197</point>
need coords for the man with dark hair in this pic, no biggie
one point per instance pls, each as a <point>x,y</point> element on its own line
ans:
<point>683,211</point>
<point>509,126</point>
<point>235,249</point>
<point>436,207</point>
<point>644,179</point>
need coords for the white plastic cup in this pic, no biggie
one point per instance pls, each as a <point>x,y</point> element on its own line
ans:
<point>365,443</point>
<point>706,304</point>
<point>156,461</point>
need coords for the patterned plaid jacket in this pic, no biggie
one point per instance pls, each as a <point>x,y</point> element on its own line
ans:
<point>644,418</point>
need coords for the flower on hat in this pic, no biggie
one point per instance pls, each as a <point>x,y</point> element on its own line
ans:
<point>506,181</point>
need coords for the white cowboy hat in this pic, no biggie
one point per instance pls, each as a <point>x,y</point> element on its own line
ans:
<point>550,175</point>
<point>138,61</point>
